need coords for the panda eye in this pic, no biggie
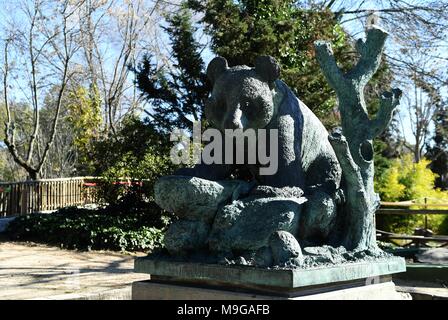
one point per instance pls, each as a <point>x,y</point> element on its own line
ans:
<point>246,105</point>
<point>249,109</point>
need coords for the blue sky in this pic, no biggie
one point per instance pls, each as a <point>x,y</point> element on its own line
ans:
<point>355,27</point>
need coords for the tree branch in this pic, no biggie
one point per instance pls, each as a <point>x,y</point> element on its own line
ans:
<point>325,57</point>
<point>388,10</point>
<point>9,125</point>
<point>354,149</point>
<point>350,169</point>
<point>389,101</point>
<point>33,86</point>
<point>60,95</point>
<point>370,52</point>
<point>357,206</point>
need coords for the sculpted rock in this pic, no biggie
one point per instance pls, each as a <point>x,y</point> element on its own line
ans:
<point>326,254</point>
<point>184,236</point>
<point>320,219</point>
<point>195,198</point>
<point>284,247</point>
<point>268,192</point>
<point>263,257</point>
<point>248,224</point>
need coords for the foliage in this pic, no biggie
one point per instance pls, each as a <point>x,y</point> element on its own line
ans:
<point>84,116</point>
<point>128,225</point>
<point>391,189</point>
<point>438,153</point>
<point>9,170</point>
<point>242,30</point>
<point>406,180</point>
<point>131,220</point>
<point>136,153</point>
<point>176,94</point>
<point>140,149</point>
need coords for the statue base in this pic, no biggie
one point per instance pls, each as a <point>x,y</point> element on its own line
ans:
<point>196,281</point>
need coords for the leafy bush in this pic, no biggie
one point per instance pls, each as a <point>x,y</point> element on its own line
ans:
<point>138,153</point>
<point>128,225</point>
<point>130,220</point>
<point>390,188</point>
<point>406,180</point>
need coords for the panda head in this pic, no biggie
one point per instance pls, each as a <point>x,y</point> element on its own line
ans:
<point>242,97</point>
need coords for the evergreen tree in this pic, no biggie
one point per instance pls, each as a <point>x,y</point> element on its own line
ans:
<point>438,153</point>
<point>242,30</point>
<point>176,95</point>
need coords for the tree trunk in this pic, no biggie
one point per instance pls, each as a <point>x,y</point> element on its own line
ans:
<point>33,175</point>
<point>353,143</point>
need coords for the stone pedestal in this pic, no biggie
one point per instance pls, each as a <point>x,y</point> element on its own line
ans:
<point>195,281</point>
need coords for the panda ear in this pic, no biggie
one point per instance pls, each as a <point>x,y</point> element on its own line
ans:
<point>267,68</point>
<point>215,68</point>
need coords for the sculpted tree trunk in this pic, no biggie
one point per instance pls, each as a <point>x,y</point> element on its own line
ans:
<point>353,145</point>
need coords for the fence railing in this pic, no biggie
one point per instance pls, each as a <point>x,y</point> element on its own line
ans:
<point>19,198</point>
<point>413,207</point>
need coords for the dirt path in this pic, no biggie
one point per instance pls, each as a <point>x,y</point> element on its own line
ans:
<point>34,271</point>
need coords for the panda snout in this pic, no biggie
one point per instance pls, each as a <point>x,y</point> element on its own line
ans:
<point>234,121</point>
<point>236,124</point>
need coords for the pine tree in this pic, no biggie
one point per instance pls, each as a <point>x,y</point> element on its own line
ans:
<point>176,95</point>
<point>438,153</point>
<point>242,30</point>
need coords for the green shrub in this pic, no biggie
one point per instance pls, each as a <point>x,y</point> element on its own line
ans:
<point>128,225</point>
<point>139,153</point>
<point>406,180</point>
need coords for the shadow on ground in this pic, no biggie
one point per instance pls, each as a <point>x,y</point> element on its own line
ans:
<point>30,271</point>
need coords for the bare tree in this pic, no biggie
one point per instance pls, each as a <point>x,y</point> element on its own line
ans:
<point>421,107</point>
<point>114,35</point>
<point>42,44</point>
<point>415,53</point>
<point>63,156</point>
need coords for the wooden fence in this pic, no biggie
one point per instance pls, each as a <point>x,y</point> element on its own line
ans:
<point>19,198</point>
<point>412,207</point>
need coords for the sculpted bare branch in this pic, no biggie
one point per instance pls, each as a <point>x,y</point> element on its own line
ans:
<point>353,146</point>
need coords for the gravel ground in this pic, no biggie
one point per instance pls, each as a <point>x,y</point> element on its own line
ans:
<point>35,271</point>
<point>421,290</point>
